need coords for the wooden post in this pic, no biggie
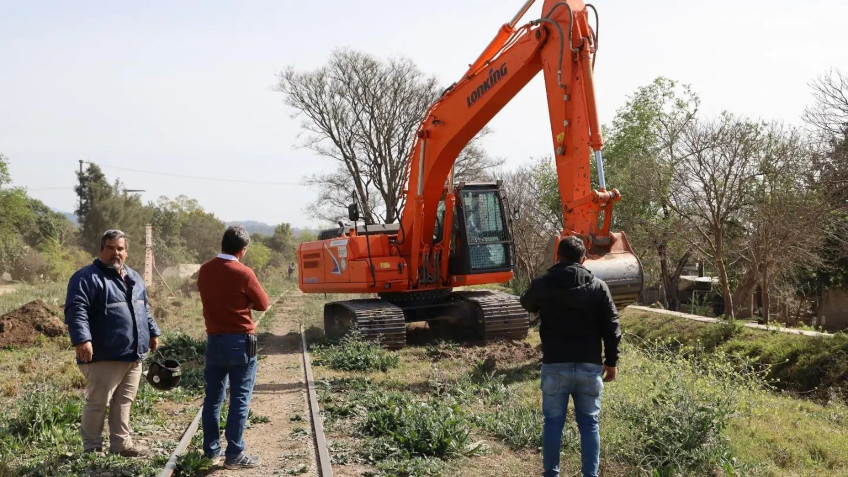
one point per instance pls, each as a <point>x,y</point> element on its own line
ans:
<point>148,256</point>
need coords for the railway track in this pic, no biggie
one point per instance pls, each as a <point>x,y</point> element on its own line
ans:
<point>321,452</point>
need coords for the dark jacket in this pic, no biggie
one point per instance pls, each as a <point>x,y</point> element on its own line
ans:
<point>110,311</point>
<point>577,313</point>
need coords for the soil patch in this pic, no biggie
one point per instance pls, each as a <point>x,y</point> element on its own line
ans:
<point>494,355</point>
<point>22,326</point>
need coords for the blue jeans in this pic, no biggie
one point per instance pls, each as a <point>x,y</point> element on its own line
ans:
<point>583,382</point>
<point>226,358</point>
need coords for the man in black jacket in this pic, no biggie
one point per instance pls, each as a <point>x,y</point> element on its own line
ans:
<point>577,314</point>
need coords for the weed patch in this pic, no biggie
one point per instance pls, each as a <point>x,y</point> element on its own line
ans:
<point>354,353</point>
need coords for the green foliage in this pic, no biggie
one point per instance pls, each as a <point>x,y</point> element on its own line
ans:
<point>520,427</point>
<point>103,206</point>
<point>258,255</point>
<point>184,232</point>
<point>678,414</point>
<point>5,178</point>
<point>406,428</point>
<point>42,417</point>
<point>815,366</point>
<point>283,241</point>
<point>62,261</point>
<point>191,354</point>
<point>354,353</point>
<point>193,462</point>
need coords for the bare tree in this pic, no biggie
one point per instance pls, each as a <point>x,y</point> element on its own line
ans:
<point>828,117</point>
<point>789,221</point>
<point>718,165</point>
<point>532,191</point>
<point>829,111</point>
<point>363,113</point>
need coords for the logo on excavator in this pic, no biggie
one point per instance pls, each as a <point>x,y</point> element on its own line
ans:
<point>495,75</point>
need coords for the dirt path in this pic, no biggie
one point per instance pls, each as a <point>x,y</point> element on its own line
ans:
<point>285,443</point>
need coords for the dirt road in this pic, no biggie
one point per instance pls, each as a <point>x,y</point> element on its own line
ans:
<point>285,443</point>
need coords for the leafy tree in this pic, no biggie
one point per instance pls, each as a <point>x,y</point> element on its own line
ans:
<point>5,178</point>
<point>363,113</point>
<point>258,255</point>
<point>283,240</point>
<point>103,206</point>
<point>641,163</point>
<point>183,232</point>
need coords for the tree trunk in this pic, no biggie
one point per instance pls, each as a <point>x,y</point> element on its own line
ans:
<point>665,287</point>
<point>764,283</point>
<point>725,289</point>
<point>743,295</point>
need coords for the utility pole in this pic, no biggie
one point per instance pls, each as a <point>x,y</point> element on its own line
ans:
<point>148,256</point>
<point>82,192</point>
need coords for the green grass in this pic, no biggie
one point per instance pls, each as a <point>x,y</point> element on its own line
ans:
<point>813,366</point>
<point>670,413</point>
<point>50,293</point>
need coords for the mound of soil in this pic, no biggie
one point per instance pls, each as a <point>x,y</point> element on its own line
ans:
<point>21,327</point>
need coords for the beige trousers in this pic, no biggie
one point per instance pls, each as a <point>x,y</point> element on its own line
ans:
<point>111,384</point>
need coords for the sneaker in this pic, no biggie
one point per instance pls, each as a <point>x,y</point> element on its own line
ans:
<point>93,450</point>
<point>242,461</point>
<point>134,451</point>
<point>217,459</point>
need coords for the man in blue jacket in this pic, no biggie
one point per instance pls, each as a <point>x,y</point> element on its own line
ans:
<point>111,327</point>
<point>577,315</point>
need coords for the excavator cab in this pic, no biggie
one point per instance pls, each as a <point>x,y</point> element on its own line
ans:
<point>482,241</point>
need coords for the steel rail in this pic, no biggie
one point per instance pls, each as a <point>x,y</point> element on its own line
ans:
<point>171,465</point>
<point>325,468</point>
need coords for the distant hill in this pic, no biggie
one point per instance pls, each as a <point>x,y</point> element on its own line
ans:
<point>72,217</point>
<point>253,227</point>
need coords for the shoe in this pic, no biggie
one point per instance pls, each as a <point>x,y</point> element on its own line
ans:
<point>93,450</point>
<point>134,451</point>
<point>217,459</point>
<point>242,461</point>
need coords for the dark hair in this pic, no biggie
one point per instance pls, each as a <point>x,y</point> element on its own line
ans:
<point>111,235</point>
<point>571,249</point>
<point>235,239</point>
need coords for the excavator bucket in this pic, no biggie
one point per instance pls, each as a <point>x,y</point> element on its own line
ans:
<point>619,267</point>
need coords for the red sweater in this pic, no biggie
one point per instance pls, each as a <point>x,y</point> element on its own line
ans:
<point>228,290</point>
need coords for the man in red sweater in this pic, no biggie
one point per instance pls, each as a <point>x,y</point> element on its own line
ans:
<point>229,290</point>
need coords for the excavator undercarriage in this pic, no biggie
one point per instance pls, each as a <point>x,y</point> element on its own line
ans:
<point>487,315</point>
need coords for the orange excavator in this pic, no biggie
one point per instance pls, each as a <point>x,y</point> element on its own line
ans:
<point>452,235</point>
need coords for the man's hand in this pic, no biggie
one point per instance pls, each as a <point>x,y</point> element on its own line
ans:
<point>84,352</point>
<point>609,373</point>
<point>154,343</point>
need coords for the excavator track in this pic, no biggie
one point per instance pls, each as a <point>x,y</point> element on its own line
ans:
<point>377,320</point>
<point>500,315</point>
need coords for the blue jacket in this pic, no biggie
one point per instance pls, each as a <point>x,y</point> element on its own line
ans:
<point>111,312</point>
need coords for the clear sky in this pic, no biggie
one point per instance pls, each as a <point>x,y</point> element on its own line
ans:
<point>185,89</point>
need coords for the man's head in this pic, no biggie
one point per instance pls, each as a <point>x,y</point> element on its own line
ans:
<point>571,250</point>
<point>113,249</point>
<point>235,240</point>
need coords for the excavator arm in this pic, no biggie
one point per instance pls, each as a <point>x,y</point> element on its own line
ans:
<point>562,45</point>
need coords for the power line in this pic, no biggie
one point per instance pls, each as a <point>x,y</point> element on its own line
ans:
<point>186,176</point>
<point>49,188</point>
